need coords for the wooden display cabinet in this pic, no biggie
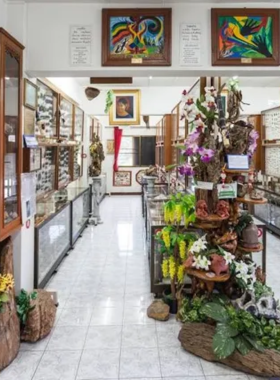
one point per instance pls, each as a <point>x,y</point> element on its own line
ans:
<point>77,151</point>
<point>66,120</point>
<point>11,91</point>
<point>163,140</point>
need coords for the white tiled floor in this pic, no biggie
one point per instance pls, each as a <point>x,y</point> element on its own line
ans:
<point>102,331</point>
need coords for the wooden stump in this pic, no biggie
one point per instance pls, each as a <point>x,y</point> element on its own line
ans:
<point>197,339</point>
<point>9,322</point>
<point>41,319</point>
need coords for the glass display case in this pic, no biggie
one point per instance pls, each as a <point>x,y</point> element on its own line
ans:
<point>10,133</point>
<point>47,107</point>
<point>269,213</point>
<point>45,176</point>
<point>80,209</point>
<point>52,235</point>
<point>66,119</point>
<point>64,175</point>
<point>77,151</point>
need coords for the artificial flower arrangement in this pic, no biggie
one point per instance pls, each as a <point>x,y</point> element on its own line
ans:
<point>6,285</point>
<point>175,238</point>
<point>211,138</point>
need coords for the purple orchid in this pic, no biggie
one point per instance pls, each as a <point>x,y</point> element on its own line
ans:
<point>253,137</point>
<point>206,154</point>
<point>186,169</point>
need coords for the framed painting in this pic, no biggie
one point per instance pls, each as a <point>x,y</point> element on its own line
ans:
<point>122,178</point>
<point>30,94</point>
<point>245,37</point>
<point>125,109</point>
<point>136,37</point>
<point>110,146</point>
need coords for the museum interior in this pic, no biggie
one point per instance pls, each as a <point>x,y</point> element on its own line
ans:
<point>139,190</point>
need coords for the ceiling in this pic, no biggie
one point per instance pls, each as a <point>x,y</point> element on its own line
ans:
<point>182,82</point>
<point>163,2</point>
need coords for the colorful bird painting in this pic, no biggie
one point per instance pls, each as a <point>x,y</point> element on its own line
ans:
<point>245,37</point>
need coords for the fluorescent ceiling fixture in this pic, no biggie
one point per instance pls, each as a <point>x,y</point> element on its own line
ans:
<point>7,78</point>
<point>150,77</point>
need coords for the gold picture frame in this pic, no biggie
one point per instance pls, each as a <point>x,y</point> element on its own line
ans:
<point>125,109</point>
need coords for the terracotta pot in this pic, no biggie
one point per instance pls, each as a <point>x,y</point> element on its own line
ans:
<point>250,236</point>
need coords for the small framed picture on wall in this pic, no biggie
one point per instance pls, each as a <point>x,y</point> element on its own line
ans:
<point>125,109</point>
<point>30,94</point>
<point>122,178</point>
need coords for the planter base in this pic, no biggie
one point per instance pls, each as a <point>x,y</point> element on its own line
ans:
<point>196,338</point>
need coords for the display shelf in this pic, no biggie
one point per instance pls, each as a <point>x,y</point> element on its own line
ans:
<point>11,60</point>
<point>250,250</point>
<point>52,239</point>
<point>77,151</point>
<point>66,119</point>
<point>64,175</point>
<point>47,111</point>
<point>46,176</point>
<point>80,210</point>
<point>248,200</point>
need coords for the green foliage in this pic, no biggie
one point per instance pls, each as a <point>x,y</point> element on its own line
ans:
<point>23,305</point>
<point>109,101</point>
<point>238,329</point>
<point>243,222</point>
<point>191,310</point>
<point>262,289</point>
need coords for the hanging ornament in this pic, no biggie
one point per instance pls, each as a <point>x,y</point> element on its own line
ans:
<point>223,176</point>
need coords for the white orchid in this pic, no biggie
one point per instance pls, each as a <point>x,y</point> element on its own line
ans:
<point>241,267</point>
<point>210,91</point>
<point>228,257</point>
<point>201,262</point>
<point>199,245</point>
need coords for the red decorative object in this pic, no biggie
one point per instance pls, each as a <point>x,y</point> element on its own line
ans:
<point>188,262</point>
<point>27,224</point>
<point>218,264</point>
<point>118,140</point>
<point>202,209</point>
<point>84,155</point>
<point>222,209</point>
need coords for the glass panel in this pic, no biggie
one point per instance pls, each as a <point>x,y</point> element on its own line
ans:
<point>46,111</point>
<point>129,151</point>
<point>63,165</point>
<point>79,121</point>
<point>77,162</point>
<point>11,100</point>
<point>66,119</point>
<point>45,177</point>
<point>148,144</point>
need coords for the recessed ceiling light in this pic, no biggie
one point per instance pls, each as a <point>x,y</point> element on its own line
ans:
<point>7,78</point>
<point>150,77</point>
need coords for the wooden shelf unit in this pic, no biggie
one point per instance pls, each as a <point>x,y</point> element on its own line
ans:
<point>163,140</point>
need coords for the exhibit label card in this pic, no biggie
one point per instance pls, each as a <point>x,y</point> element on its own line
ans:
<point>238,162</point>
<point>190,44</point>
<point>80,45</point>
<point>227,190</point>
<point>204,185</point>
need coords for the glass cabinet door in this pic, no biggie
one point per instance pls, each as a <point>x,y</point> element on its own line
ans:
<point>11,102</point>
<point>10,138</point>
<point>66,119</point>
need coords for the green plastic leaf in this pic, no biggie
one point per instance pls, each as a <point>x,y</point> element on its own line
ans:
<point>216,312</point>
<point>223,346</point>
<point>243,346</point>
<point>226,330</point>
<point>4,297</point>
<point>169,167</point>
<point>256,345</point>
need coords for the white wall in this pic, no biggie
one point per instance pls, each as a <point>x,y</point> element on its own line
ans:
<point>49,46</point>
<point>259,98</point>
<point>3,13</point>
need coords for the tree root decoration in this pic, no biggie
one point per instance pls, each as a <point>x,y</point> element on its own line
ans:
<point>196,338</point>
